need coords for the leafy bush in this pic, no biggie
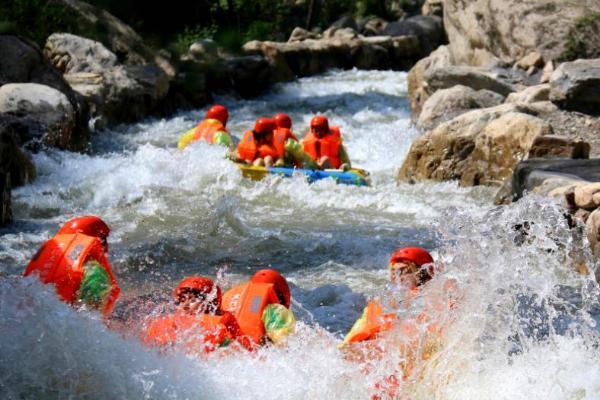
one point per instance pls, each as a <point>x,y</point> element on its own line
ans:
<point>583,40</point>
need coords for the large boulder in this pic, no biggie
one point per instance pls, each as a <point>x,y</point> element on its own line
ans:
<point>417,86</point>
<point>481,32</point>
<point>300,34</point>
<point>478,147</point>
<point>48,112</point>
<point>530,94</point>
<point>117,93</point>
<point>445,104</point>
<point>576,86</point>
<point>71,54</point>
<point>372,26</point>
<point>23,62</point>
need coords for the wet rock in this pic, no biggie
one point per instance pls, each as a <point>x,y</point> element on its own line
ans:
<point>417,86</point>
<point>587,196</point>
<point>300,34</point>
<point>372,26</point>
<point>592,230</point>
<point>47,111</point>
<point>554,146</point>
<point>478,147</point>
<point>576,86</point>
<point>473,77</point>
<point>346,21</point>
<point>533,59</point>
<point>433,7</point>
<point>23,62</point>
<point>428,29</point>
<point>481,31</point>
<point>446,104</point>
<point>118,93</point>
<point>249,75</point>
<point>531,94</point>
<point>310,57</point>
<point>560,175</point>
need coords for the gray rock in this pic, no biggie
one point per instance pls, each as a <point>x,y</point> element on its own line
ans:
<point>445,104</point>
<point>45,107</point>
<point>23,62</point>
<point>428,29</point>
<point>576,86</point>
<point>531,94</point>
<point>372,26</point>
<point>346,21</point>
<point>72,54</point>
<point>473,77</point>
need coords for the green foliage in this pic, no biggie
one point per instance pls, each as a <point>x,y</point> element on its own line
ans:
<point>583,40</point>
<point>37,19</point>
<point>189,35</point>
<point>260,30</point>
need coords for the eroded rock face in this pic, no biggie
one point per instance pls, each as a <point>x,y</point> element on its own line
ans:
<point>72,54</point>
<point>576,86</point>
<point>481,32</point>
<point>478,147</point>
<point>446,104</point>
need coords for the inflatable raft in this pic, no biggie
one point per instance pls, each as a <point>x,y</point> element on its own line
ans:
<point>354,176</point>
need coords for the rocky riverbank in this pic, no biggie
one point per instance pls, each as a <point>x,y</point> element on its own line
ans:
<point>517,81</point>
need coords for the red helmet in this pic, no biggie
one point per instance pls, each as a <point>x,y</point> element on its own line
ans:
<point>219,113</point>
<point>319,124</point>
<point>416,255</point>
<point>89,225</point>
<point>279,284</point>
<point>264,125</point>
<point>283,121</point>
<point>201,287</point>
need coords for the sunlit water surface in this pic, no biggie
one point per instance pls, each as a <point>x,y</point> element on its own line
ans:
<point>524,327</point>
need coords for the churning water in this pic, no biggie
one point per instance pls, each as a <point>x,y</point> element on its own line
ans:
<point>523,327</point>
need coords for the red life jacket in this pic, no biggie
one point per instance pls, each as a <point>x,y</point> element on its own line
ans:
<point>376,322</point>
<point>249,150</point>
<point>206,130</point>
<point>205,332</point>
<point>247,303</point>
<point>60,261</point>
<point>328,145</point>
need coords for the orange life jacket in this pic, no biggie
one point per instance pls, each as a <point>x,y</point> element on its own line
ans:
<point>60,261</point>
<point>328,145</point>
<point>247,303</point>
<point>204,332</point>
<point>375,322</point>
<point>249,150</point>
<point>206,130</point>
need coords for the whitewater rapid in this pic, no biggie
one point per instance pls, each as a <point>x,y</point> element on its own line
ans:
<point>524,328</point>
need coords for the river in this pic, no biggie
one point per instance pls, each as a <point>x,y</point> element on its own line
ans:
<point>524,327</point>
